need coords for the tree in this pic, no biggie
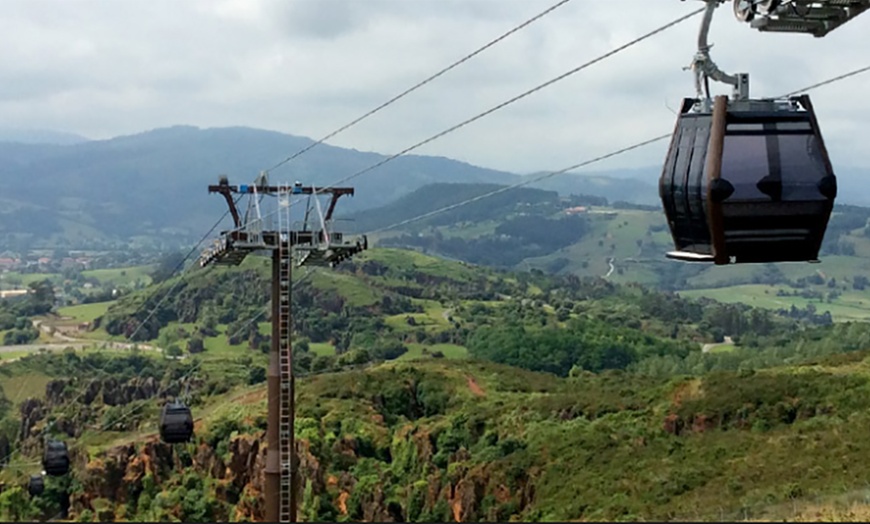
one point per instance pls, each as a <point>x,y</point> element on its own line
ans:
<point>173,351</point>
<point>389,350</point>
<point>256,375</point>
<point>208,322</point>
<point>40,300</point>
<point>15,505</point>
<point>167,267</point>
<point>195,345</point>
<point>302,345</point>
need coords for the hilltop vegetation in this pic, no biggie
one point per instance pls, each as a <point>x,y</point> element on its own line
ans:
<point>435,441</point>
<point>15,313</point>
<point>383,303</point>
<point>436,391</point>
<point>149,189</point>
<point>532,229</point>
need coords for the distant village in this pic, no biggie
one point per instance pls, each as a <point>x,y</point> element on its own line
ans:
<point>44,264</point>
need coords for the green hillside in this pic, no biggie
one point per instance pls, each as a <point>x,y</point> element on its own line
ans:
<point>437,441</point>
<point>433,390</point>
<point>531,229</point>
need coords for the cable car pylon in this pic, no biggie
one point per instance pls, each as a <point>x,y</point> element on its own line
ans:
<point>316,246</point>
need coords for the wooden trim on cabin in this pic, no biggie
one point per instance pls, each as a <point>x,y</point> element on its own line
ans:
<point>714,171</point>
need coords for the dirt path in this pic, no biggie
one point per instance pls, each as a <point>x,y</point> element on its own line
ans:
<point>67,342</point>
<point>612,267</point>
<point>475,387</point>
<point>706,348</point>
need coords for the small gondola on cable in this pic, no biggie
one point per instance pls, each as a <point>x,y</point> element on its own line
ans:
<point>745,180</point>
<point>36,486</point>
<point>176,423</point>
<point>55,458</point>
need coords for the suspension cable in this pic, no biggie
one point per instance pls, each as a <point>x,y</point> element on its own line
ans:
<point>522,95</point>
<point>588,162</point>
<point>184,260</point>
<point>421,83</point>
<point>521,184</point>
<point>153,310</point>
<point>480,197</point>
<point>199,362</point>
<point>827,82</point>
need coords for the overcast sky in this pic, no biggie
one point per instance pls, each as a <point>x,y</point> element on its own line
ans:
<point>305,67</point>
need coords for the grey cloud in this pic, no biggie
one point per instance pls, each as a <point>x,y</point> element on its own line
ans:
<point>307,67</point>
<point>320,19</point>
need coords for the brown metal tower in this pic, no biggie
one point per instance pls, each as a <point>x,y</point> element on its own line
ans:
<point>317,247</point>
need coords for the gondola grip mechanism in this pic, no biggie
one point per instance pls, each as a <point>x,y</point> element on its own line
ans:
<point>704,67</point>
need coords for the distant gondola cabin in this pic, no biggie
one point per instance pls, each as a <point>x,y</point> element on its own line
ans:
<point>749,181</point>
<point>36,486</point>
<point>55,460</point>
<point>176,423</point>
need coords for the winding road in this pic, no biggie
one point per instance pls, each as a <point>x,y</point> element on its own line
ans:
<point>612,267</point>
<point>67,342</point>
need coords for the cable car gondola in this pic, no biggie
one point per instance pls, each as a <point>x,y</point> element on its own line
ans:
<point>176,423</point>
<point>36,486</point>
<point>55,460</point>
<point>745,180</point>
<point>748,181</point>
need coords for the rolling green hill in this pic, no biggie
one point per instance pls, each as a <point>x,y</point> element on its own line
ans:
<point>442,441</point>
<point>432,390</point>
<point>527,229</point>
<point>149,189</point>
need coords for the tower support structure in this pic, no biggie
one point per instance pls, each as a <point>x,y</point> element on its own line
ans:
<point>313,246</point>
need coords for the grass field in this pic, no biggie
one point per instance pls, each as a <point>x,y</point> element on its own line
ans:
<point>216,347</point>
<point>401,259</point>
<point>450,351</point>
<point>429,321</point>
<point>12,355</point>
<point>468,231</point>
<point>841,268</point>
<point>121,276</point>
<point>850,306</point>
<point>24,386</point>
<point>613,234</point>
<point>322,349</point>
<point>354,290</point>
<point>722,348</point>
<point>117,276</point>
<point>85,312</point>
<point>15,280</point>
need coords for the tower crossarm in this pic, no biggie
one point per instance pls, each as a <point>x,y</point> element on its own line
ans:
<point>228,190</point>
<point>225,189</point>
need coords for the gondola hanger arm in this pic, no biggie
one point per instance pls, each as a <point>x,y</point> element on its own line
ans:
<point>704,67</point>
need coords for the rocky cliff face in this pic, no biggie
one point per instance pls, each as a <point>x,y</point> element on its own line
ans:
<point>384,451</point>
<point>119,477</point>
<point>89,399</point>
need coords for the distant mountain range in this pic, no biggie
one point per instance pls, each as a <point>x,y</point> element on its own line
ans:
<point>39,136</point>
<point>63,190</point>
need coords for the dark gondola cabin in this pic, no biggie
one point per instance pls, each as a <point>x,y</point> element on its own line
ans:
<point>55,460</point>
<point>749,181</point>
<point>176,423</point>
<point>36,486</point>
